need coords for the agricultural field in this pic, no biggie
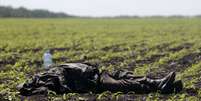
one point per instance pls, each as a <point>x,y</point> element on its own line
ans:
<point>151,46</point>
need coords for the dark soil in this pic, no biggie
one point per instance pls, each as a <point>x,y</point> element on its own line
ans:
<point>115,48</point>
<point>162,47</point>
<point>113,61</point>
<point>180,47</point>
<point>11,60</point>
<point>178,65</point>
<point>61,59</point>
<point>60,49</point>
<point>172,65</point>
<point>192,91</point>
<point>151,59</point>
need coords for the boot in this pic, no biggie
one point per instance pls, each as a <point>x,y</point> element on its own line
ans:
<point>166,85</point>
<point>158,84</point>
<point>178,86</point>
<point>169,79</point>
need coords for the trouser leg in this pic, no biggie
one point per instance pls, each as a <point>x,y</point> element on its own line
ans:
<point>123,85</point>
<point>165,85</point>
<point>129,82</point>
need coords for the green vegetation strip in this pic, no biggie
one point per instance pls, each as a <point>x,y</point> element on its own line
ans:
<point>133,44</point>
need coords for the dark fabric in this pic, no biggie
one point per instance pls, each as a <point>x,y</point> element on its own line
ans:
<point>122,83</point>
<point>82,78</point>
<point>65,78</point>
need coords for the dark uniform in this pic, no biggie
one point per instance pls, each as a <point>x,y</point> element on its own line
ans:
<point>83,78</point>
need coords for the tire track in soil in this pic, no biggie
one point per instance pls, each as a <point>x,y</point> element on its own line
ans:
<point>9,60</point>
<point>180,47</point>
<point>177,65</point>
<point>115,61</point>
<point>164,51</point>
<point>13,59</point>
<point>112,61</point>
<point>197,84</point>
<point>151,59</point>
<point>35,50</point>
<point>115,48</point>
<point>181,65</point>
<point>148,60</point>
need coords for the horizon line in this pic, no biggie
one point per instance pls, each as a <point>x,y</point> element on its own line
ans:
<point>110,16</point>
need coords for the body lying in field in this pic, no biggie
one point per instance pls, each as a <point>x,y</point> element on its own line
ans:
<point>83,78</point>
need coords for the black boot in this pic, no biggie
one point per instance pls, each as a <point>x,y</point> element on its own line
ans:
<point>159,84</point>
<point>166,86</point>
<point>178,86</point>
